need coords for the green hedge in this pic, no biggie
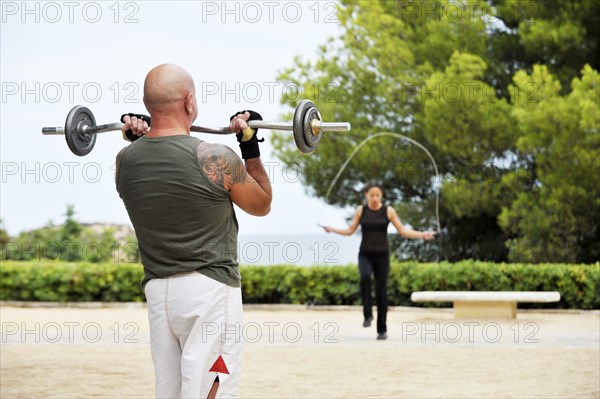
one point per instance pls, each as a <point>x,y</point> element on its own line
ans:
<point>71,282</point>
<point>579,285</point>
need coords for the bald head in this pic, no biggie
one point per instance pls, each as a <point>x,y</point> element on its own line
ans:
<point>166,87</point>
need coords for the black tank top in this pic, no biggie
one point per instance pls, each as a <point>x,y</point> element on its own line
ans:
<point>374,226</point>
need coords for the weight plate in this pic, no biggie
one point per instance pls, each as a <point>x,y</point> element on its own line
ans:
<point>80,144</point>
<point>312,140</point>
<point>299,128</point>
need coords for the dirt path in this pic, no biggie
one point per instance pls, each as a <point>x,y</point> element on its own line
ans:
<point>300,353</point>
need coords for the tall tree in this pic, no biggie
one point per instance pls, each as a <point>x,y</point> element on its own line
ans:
<point>561,34</point>
<point>557,217</point>
<point>442,73</point>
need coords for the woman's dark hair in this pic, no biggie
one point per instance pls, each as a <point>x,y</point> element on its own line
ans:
<point>372,184</point>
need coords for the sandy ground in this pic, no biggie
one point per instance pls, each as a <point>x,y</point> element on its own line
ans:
<point>295,352</point>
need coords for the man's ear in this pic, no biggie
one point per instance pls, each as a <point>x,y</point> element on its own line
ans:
<point>189,104</point>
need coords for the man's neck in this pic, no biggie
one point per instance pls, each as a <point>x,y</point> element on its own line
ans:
<point>167,127</point>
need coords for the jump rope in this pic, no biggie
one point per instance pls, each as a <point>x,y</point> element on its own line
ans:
<point>412,141</point>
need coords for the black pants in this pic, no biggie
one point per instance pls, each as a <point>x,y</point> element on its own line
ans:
<point>377,264</point>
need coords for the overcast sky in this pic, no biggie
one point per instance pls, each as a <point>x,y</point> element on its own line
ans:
<point>55,55</point>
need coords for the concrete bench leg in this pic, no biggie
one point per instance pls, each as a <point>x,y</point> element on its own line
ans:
<point>485,310</point>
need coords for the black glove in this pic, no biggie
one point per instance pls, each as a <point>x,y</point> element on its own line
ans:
<point>247,139</point>
<point>128,135</point>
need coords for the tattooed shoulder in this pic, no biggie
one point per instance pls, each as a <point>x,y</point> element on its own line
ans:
<point>222,166</point>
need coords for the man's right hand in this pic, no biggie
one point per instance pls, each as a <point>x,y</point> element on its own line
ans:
<point>134,126</point>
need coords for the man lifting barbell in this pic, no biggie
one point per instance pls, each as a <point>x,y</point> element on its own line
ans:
<point>178,191</point>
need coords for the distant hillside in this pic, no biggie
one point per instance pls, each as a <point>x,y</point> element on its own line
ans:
<point>121,231</point>
<point>72,241</point>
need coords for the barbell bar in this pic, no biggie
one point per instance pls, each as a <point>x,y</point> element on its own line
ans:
<point>80,128</point>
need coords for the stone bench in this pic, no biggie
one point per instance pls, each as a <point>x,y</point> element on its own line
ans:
<point>485,304</point>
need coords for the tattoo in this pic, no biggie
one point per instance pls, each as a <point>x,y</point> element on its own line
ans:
<point>222,166</point>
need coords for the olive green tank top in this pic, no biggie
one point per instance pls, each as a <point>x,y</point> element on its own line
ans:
<point>183,221</point>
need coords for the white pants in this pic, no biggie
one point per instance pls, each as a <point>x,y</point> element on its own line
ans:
<point>195,325</point>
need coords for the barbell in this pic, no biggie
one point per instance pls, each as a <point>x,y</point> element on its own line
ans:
<point>80,128</point>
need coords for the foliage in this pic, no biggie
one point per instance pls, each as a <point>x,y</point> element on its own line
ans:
<point>71,242</point>
<point>71,282</point>
<point>4,237</point>
<point>319,285</point>
<point>557,215</point>
<point>504,93</point>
